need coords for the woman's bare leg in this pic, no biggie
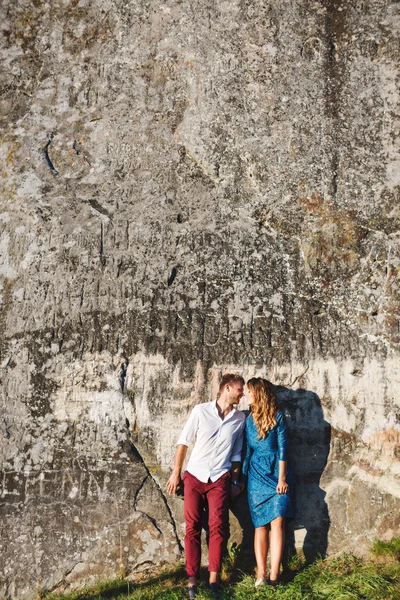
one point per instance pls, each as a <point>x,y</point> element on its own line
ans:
<point>261,535</point>
<point>277,543</point>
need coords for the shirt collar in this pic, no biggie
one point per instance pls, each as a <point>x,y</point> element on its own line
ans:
<point>230,413</point>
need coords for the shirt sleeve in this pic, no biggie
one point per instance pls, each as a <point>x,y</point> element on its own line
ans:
<point>190,429</point>
<point>282,436</point>
<point>236,455</point>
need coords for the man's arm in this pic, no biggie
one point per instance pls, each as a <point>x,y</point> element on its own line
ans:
<point>236,470</point>
<point>185,439</point>
<point>175,478</point>
<point>236,485</point>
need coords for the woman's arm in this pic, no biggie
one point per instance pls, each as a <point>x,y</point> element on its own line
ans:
<point>282,487</point>
<point>246,461</point>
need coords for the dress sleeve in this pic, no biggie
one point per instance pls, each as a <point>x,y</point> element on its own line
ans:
<point>282,436</point>
<point>190,428</point>
<point>246,461</point>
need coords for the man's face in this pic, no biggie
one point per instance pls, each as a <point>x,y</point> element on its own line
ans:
<point>235,392</point>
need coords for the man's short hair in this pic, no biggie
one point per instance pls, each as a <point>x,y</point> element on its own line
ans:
<point>229,378</point>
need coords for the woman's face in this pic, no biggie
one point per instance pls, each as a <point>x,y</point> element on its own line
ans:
<point>249,396</point>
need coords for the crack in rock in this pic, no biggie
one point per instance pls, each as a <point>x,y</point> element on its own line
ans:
<point>138,492</point>
<point>149,476</point>
<point>296,378</point>
<point>79,153</point>
<point>47,156</point>
<point>135,501</point>
<point>98,208</point>
<point>122,376</point>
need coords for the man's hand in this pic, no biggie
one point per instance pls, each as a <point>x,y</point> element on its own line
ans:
<point>236,490</point>
<point>175,478</point>
<point>173,482</point>
<point>282,487</point>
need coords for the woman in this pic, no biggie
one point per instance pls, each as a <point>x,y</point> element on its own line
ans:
<point>265,465</point>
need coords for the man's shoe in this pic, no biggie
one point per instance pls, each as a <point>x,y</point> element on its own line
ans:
<point>214,589</point>
<point>192,592</point>
<point>260,582</point>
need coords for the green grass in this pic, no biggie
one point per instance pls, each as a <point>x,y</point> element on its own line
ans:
<point>342,578</point>
<point>387,549</point>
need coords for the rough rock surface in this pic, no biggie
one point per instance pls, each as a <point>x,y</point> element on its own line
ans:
<point>188,188</point>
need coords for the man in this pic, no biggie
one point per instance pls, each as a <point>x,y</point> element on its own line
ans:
<point>211,476</point>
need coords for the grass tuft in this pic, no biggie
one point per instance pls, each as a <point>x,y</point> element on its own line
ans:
<point>387,549</point>
<point>345,577</point>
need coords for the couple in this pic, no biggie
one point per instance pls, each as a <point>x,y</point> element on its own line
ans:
<point>213,472</point>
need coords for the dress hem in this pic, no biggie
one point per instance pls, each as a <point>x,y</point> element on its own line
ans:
<point>275,517</point>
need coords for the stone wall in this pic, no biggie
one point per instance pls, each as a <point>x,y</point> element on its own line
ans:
<point>189,188</point>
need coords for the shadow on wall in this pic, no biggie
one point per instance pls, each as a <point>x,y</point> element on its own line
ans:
<point>310,437</point>
<point>309,448</point>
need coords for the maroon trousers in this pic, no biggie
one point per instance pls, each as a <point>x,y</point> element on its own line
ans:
<point>197,496</point>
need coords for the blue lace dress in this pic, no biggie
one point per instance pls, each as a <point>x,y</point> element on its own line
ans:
<point>261,465</point>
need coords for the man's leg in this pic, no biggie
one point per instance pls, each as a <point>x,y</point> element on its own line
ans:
<point>194,501</point>
<point>218,502</point>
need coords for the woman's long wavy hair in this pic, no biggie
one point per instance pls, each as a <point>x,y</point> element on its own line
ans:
<point>265,407</point>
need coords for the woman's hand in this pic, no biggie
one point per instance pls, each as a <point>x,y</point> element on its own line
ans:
<point>282,487</point>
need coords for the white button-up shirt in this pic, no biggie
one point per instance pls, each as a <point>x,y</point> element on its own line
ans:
<point>218,441</point>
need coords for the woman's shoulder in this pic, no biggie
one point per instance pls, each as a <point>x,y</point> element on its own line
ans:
<point>249,420</point>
